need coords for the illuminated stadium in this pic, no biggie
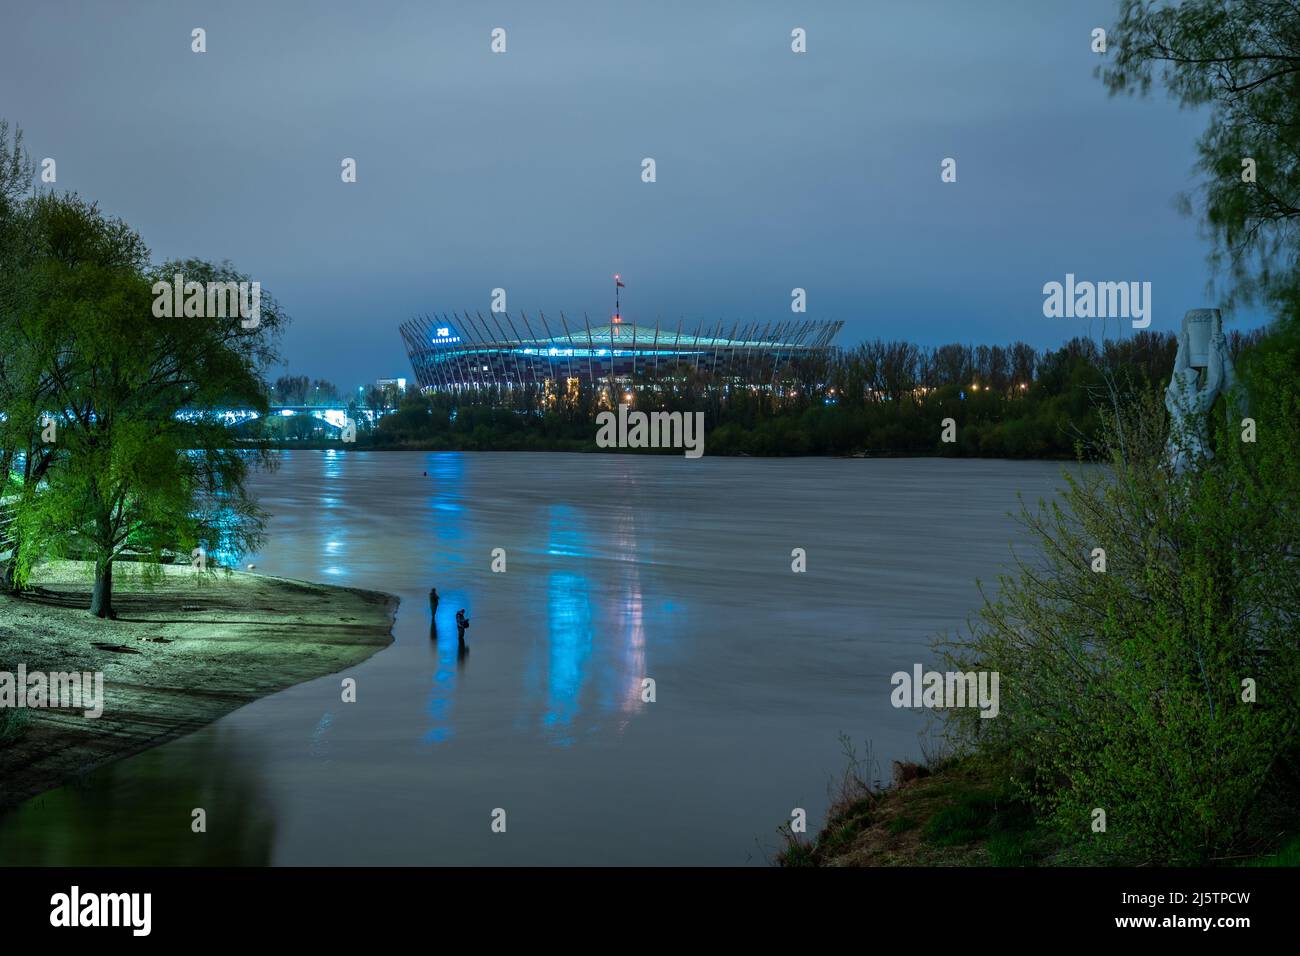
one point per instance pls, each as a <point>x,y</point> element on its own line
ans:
<point>475,352</point>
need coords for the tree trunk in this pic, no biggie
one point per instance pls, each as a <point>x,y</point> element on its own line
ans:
<point>101,600</point>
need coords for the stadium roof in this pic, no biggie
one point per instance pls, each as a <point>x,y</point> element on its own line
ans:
<point>625,333</point>
<point>468,331</point>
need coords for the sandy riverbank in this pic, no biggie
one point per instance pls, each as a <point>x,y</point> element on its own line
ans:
<point>180,655</point>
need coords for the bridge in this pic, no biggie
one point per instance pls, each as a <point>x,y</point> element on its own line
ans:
<point>333,416</point>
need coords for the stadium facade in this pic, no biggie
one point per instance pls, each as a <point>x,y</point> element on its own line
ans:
<point>468,352</point>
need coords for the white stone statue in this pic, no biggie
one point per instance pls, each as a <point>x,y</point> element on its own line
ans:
<point>1202,348</point>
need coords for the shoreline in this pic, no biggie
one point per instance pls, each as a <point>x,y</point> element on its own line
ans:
<point>179,656</point>
<point>958,812</point>
<point>662,452</point>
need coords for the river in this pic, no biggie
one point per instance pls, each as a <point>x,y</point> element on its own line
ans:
<point>618,569</point>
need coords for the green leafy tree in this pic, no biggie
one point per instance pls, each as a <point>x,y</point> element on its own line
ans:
<point>1240,58</point>
<point>143,461</point>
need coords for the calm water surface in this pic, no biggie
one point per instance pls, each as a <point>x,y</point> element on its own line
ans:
<point>618,568</point>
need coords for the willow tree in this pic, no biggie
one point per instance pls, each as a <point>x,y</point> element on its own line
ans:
<point>140,458</point>
<point>1240,59</point>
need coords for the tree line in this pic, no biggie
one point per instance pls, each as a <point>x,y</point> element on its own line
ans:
<point>880,397</point>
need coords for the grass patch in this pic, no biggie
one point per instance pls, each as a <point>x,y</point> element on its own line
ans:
<point>1287,855</point>
<point>796,853</point>
<point>13,724</point>
<point>964,822</point>
<point>1015,848</point>
<point>902,823</point>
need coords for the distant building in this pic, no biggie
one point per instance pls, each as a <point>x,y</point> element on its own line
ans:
<point>473,352</point>
<point>398,383</point>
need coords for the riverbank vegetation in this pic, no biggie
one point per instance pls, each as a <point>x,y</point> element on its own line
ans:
<point>1147,642</point>
<point>963,812</point>
<point>880,398</point>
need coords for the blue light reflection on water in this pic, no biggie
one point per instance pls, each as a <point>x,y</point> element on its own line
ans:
<point>334,529</point>
<point>568,629</point>
<point>555,672</point>
<point>594,652</point>
<point>446,518</point>
<point>446,473</point>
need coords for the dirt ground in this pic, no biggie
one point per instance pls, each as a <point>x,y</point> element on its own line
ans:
<point>181,654</point>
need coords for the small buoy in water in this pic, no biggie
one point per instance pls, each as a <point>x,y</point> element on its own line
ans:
<point>251,566</point>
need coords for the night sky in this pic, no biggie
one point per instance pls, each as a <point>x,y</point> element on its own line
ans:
<point>523,170</point>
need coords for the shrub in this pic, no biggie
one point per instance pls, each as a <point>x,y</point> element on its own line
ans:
<point>1124,690</point>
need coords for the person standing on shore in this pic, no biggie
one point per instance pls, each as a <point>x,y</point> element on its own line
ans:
<point>462,622</point>
<point>433,601</point>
